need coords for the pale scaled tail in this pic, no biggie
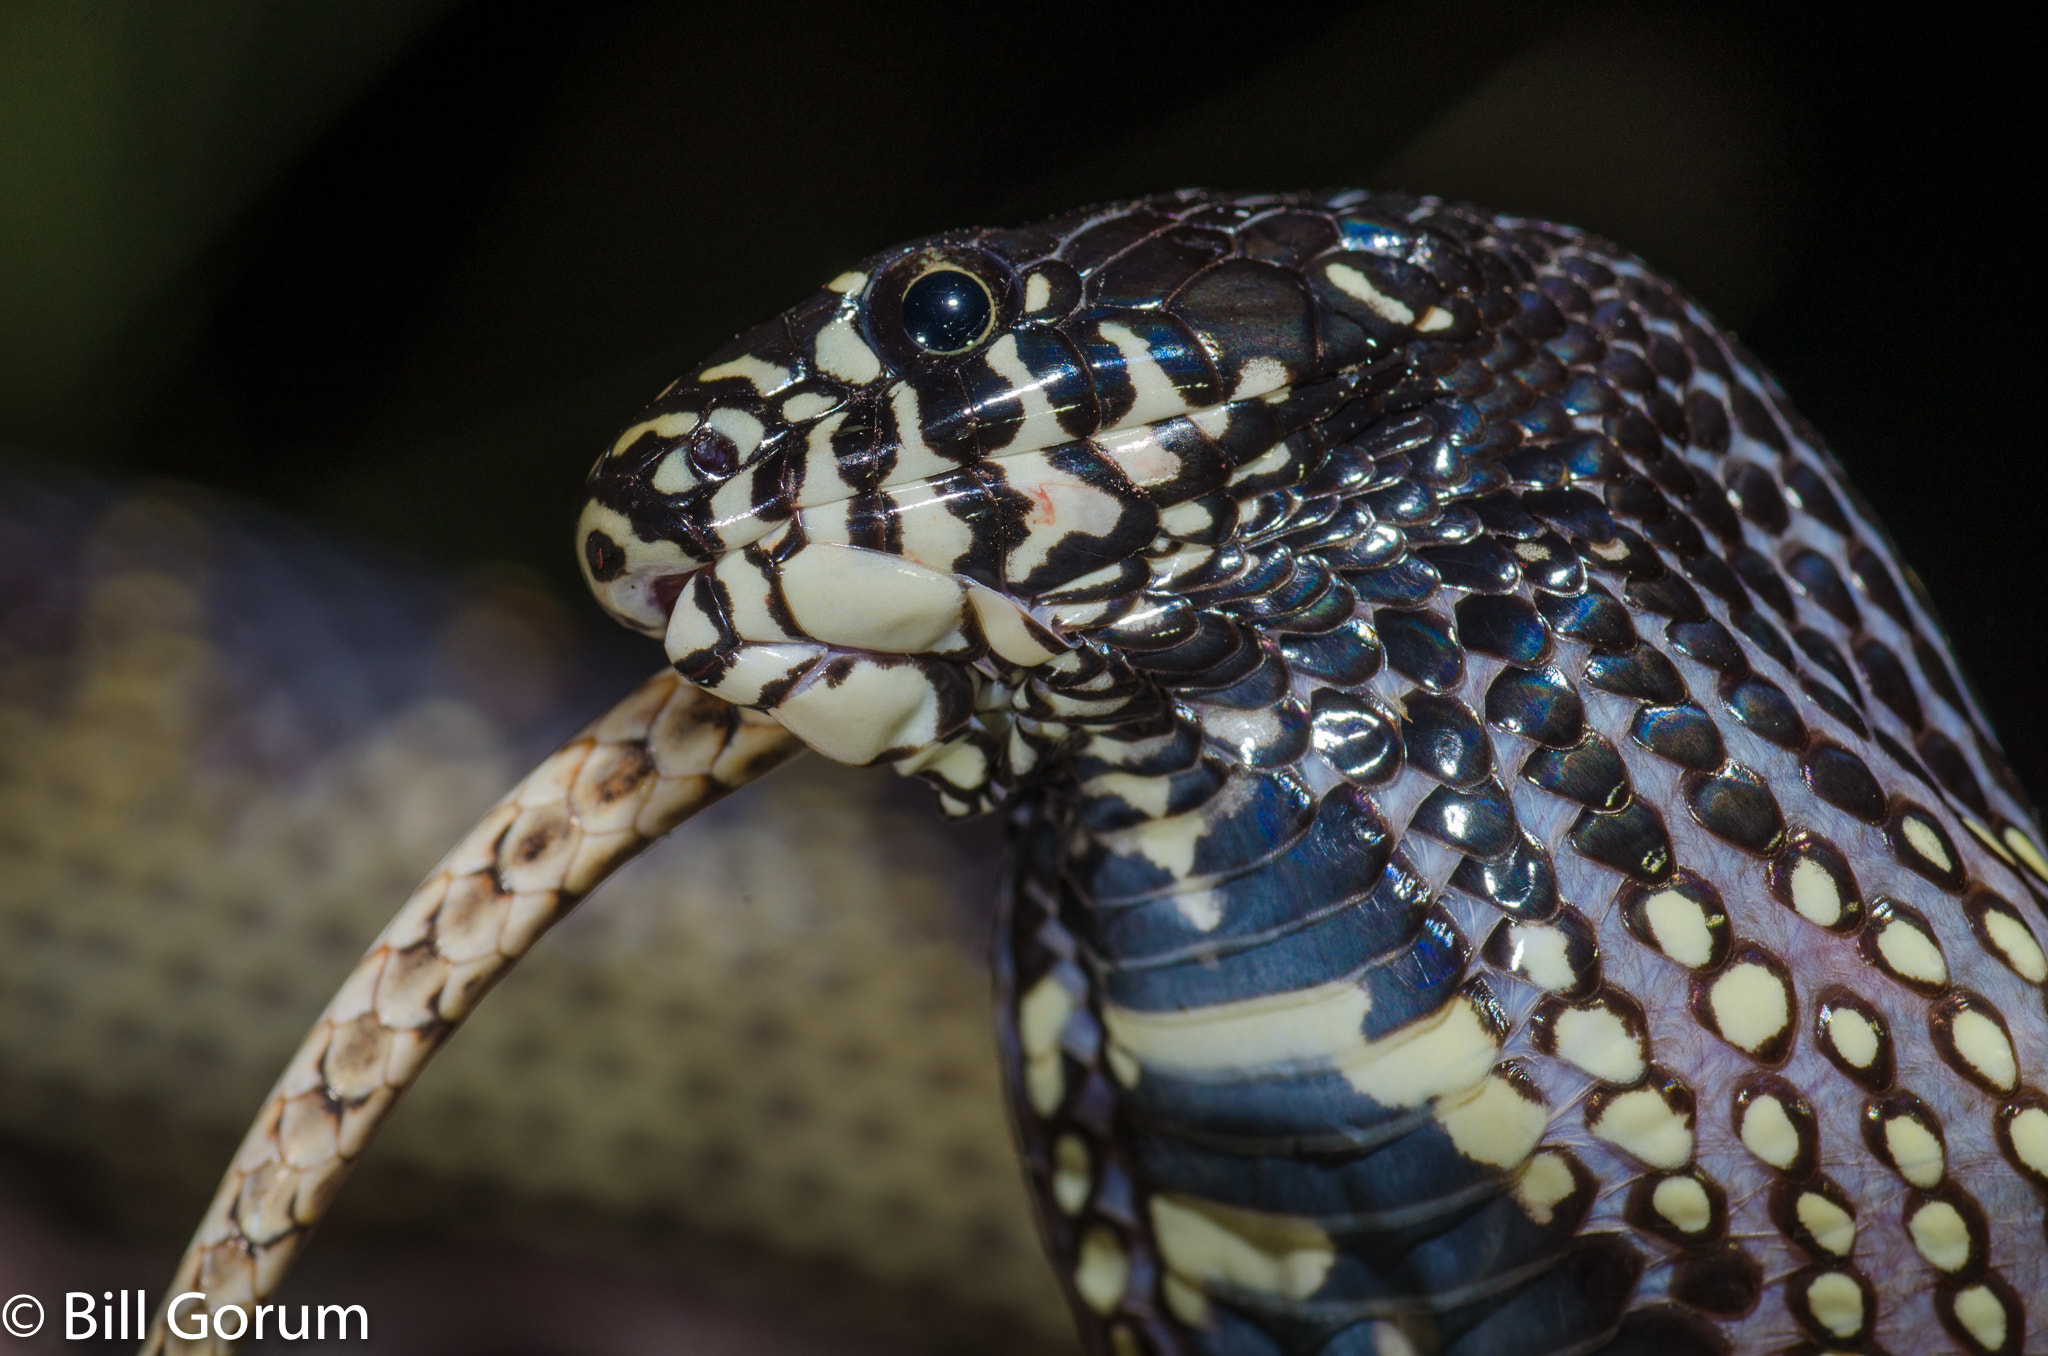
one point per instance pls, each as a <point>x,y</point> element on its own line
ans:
<point>660,755</point>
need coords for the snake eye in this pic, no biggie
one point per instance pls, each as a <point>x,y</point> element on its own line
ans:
<point>948,310</point>
<point>712,455</point>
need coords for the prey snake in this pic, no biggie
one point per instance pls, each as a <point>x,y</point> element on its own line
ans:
<point>1501,861</point>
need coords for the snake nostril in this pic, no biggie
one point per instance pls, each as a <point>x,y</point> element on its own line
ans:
<point>712,455</point>
<point>607,559</point>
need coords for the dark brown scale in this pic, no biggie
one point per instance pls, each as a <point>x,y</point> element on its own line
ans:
<point>1567,294</point>
<point>1359,740</point>
<point>1812,492</point>
<point>1711,508</point>
<point>1672,474</point>
<point>1642,673</point>
<point>1482,564</point>
<point>1346,655</point>
<point>1627,369</point>
<point>1421,646</point>
<point>1763,579</point>
<point>1589,773</point>
<point>1539,704</point>
<point>1683,734</point>
<point>1089,249</point>
<point>1819,579</point>
<point>1763,708</point>
<point>1733,804</point>
<point>1766,637</point>
<point>1952,769</point>
<point>1835,704</point>
<point>1479,821</point>
<point>1843,780</point>
<point>1706,421</point>
<point>1632,841</point>
<point>1636,435</point>
<point>1822,652</point>
<point>1675,532</point>
<point>1902,757</point>
<point>1874,577</point>
<point>1593,618</point>
<point>1935,669</point>
<point>1522,882</point>
<point>1888,680</point>
<point>1617,320</point>
<point>1651,296</point>
<point>1629,495</point>
<point>1506,627</point>
<point>1710,643</point>
<point>1755,421</point>
<point>1669,596</point>
<point>1407,582</point>
<point>1444,740</point>
<point>1727,1283</point>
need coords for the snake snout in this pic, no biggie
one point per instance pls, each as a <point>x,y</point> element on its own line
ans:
<point>634,579</point>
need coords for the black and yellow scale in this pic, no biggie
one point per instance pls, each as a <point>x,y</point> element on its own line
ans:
<point>1500,861</point>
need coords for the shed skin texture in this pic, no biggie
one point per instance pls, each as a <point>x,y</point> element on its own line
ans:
<point>1500,861</point>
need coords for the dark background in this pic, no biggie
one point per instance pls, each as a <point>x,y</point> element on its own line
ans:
<point>401,268</point>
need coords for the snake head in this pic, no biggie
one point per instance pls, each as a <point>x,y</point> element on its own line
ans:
<point>930,515</point>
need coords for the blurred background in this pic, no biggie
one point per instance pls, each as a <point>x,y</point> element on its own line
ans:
<point>312,318</point>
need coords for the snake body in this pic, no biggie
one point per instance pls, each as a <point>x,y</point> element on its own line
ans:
<point>1500,859</point>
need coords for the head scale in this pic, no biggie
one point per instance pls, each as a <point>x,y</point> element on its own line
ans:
<point>949,513</point>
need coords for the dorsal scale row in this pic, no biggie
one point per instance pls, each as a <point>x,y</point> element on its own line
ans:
<point>1502,862</point>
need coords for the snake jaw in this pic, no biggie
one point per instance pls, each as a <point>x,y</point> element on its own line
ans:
<point>912,538</point>
<point>636,581</point>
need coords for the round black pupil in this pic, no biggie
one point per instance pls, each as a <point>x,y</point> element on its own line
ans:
<point>945,311</point>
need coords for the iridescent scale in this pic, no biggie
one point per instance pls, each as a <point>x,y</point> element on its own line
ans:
<point>1558,897</point>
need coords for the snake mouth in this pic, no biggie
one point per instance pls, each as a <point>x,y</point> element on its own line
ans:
<point>663,590</point>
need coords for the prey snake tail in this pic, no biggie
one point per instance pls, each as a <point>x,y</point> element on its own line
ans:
<point>1501,861</point>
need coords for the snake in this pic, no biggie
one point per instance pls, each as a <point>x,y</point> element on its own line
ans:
<point>1500,857</point>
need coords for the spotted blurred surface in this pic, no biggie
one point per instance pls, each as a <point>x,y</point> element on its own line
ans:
<point>229,750</point>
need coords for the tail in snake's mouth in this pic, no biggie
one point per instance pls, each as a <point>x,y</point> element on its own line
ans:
<point>1501,861</point>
